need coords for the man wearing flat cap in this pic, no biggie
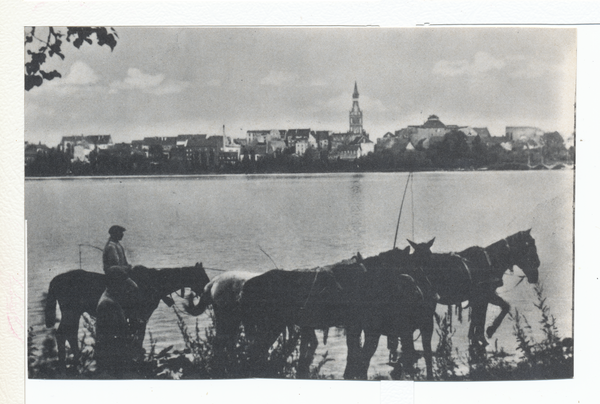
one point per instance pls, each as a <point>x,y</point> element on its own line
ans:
<point>120,288</point>
<point>114,254</point>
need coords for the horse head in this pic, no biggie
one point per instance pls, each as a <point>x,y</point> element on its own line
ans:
<point>196,278</point>
<point>523,253</point>
<point>421,251</point>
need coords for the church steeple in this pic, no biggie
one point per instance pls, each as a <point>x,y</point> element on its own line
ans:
<point>356,118</point>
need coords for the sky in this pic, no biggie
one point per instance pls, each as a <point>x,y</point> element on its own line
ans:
<point>170,81</point>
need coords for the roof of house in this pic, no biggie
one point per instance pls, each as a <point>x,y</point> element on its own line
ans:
<point>359,140</point>
<point>181,138</point>
<point>200,141</point>
<point>259,132</point>
<point>322,135</point>
<point>76,138</point>
<point>433,122</point>
<point>298,133</point>
<point>99,139</point>
<point>482,132</point>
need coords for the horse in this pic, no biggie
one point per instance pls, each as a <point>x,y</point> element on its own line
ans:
<point>475,273</point>
<point>223,293</point>
<point>371,296</point>
<point>79,291</point>
<point>278,299</point>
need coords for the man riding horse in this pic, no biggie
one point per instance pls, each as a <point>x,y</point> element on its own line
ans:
<point>118,308</point>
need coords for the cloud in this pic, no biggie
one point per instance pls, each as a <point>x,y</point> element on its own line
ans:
<point>148,83</point>
<point>80,74</point>
<point>278,78</point>
<point>481,63</point>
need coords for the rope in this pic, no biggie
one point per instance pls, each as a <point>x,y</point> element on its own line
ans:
<point>412,206</point>
<point>268,257</point>
<point>401,205</point>
<point>86,245</point>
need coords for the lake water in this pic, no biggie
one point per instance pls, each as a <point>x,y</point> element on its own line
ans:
<point>302,221</point>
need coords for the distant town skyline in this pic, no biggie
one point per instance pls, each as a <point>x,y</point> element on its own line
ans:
<point>170,81</point>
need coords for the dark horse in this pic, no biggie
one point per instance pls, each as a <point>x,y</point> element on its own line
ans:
<point>79,291</point>
<point>474,274</point>
<point>374,296</point>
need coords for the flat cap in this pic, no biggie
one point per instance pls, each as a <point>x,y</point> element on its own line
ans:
<point>116,229</point>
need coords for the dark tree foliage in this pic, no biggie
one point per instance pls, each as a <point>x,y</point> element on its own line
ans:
<point>39,49</point>
<point>554,146</point>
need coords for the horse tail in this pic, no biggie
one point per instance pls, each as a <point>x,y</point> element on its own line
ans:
<point>50,307</point>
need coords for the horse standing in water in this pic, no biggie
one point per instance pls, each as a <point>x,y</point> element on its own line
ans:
<point>474,274</point>
<point>370,295</point>
<point>79,291</point>
<point>223,292</point>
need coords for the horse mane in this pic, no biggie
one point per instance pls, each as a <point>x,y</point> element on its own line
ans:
<point>142,273</point>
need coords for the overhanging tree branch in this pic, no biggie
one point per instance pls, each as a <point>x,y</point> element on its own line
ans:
<point>38,52</point>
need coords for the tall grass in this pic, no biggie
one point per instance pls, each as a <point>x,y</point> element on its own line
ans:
<point>549,358</point>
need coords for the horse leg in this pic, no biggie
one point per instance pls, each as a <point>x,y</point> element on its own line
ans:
<point>354,352</point>
<point>61,349</point>
<point>426,335</point>
<point>67,331</point>
<point>392,346</point>
<point>408,358</point>
<point>503,304</point>
<point>478,314</point>
<point>368,350</point>
<point>222,329</point>
<point>308,346</point>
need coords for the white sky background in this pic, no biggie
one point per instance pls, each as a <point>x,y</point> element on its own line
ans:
<point>169,81</point>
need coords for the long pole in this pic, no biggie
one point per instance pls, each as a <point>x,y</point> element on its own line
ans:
<point>86,245</point>
<point>401,205</point>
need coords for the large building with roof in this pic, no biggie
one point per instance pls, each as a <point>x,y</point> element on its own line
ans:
<point>433,131</point>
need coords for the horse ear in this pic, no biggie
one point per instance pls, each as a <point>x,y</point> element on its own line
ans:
<point>407,249</point>
<point>412,243</point>
<point>430,243</point>
<point>528,232</point>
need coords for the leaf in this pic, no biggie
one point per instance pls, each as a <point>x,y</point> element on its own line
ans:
<point>165,352</point>
<point>32,81</point>
<point>50,75</point>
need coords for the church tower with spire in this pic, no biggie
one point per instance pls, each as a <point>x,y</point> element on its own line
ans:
<point>356,118</point>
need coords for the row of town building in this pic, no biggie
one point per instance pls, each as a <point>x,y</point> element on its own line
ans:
<point>258,144</point>
<point>221,149</point>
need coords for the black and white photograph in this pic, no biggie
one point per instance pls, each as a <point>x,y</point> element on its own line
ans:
<point>320,203</point>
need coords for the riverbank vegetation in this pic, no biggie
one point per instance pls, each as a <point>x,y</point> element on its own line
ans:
<point>548,358</point>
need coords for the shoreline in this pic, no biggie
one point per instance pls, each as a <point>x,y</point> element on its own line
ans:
<point>221,175</point>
